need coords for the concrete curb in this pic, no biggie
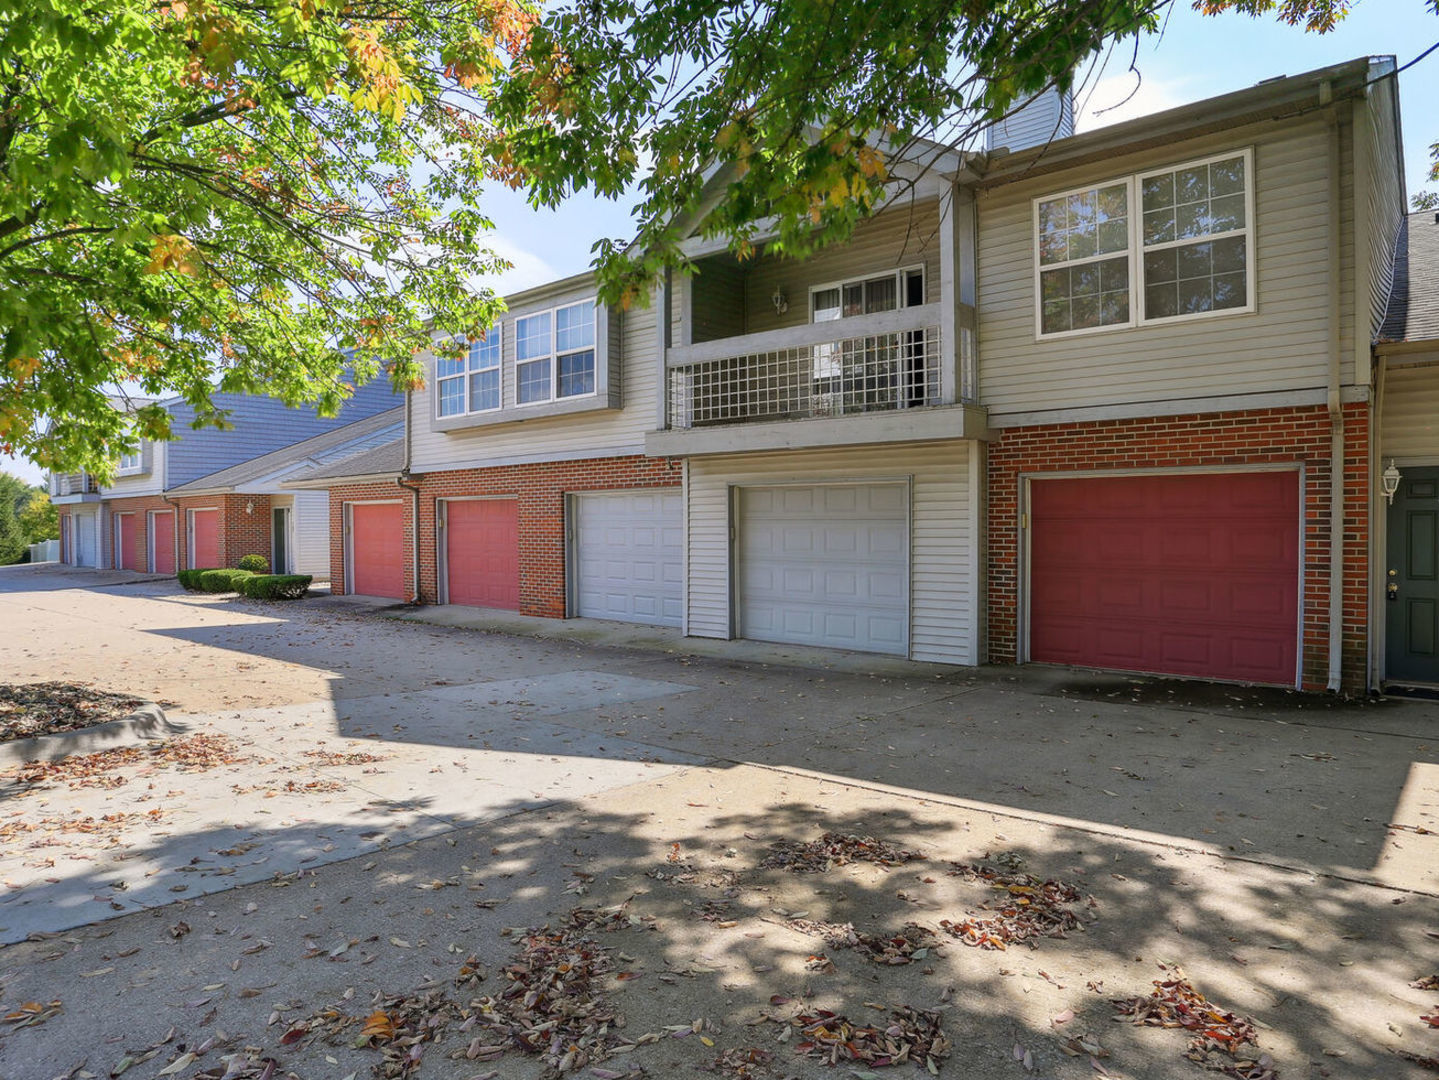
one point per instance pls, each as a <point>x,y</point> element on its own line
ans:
<point>146,723</point>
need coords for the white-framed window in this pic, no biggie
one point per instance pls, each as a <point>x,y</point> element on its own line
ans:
<point>470,383</point>
<point>860,296</point>
<point>555,354</point>
<point>1157,246</point>
<point>131,463</point>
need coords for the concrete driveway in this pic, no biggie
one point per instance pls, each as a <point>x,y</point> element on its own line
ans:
<point>1282,850</point>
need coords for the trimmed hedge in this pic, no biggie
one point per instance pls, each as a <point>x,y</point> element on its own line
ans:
<point>256,564</point>
<point>275,586</point>
<point>190,579</point>
<point>223,580</point>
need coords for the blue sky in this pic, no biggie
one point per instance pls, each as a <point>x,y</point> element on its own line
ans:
<point>1195,58</point>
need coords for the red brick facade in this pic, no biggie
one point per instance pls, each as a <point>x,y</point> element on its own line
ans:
<point>1258,437</point>
<point>540,490</point>
<point>241,532</point>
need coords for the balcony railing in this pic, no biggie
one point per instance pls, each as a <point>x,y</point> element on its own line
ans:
<point>79,483</point>
<point>865,364</point>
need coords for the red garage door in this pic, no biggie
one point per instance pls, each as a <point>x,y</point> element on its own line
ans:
<point>377,548</point>
<point>1181,575</point>
<point>162,542</point>
<point>205,539</point>
<point>127,557</point>
<point>482,552</point>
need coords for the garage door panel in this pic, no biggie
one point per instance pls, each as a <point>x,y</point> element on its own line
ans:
<point>162,543</point>
<point>482,553</point>
<point>838,574</point>
<point>1180,574</point>
<point>377,549</point>
<point>629,556</point>
<point>204,539</point>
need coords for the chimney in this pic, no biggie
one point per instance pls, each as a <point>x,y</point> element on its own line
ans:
<point>1047,116</point>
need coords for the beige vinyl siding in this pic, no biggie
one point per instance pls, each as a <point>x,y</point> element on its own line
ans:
<point>149,482</point>
<point>554,438</point>
<point>718,299</point>
<point>1409,421</point>
<point>1283,346</point>
<point>942,615</point>
<point>1377,141</point>
<point>312,533</point>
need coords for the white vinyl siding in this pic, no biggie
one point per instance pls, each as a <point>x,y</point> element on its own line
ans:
<point>1409,421</point>
<point>942,615</point>
<point>601,433</point>
<point>1283,345</point>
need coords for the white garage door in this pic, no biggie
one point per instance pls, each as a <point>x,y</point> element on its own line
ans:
<point>87,547</point>
<point>825,565</point>
<point>629,562</point>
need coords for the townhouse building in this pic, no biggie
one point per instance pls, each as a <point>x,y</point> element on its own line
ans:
<point>1121,399</point>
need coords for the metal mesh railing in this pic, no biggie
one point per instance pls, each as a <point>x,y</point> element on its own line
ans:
<point>875,373</point>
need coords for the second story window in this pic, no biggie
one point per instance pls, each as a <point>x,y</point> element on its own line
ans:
<point>470,383</point>
<point>555,354</point>
<point>1166,244</point>
<point>131,463</point>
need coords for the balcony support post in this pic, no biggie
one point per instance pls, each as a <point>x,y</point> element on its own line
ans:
<point>958,289</point>
<point>663,297</point>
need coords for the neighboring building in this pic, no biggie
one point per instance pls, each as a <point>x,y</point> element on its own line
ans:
<point>1406,578</point>
<point>1105,400</point>
<point>154,517</point>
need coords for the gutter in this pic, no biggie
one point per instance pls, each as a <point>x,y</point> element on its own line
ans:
<point>403,481</point>
<point>1336,411</point>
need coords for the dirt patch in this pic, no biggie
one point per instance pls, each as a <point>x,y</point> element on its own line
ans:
<point>30,710</point>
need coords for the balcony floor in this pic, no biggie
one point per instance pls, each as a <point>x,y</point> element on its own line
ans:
<point>895,426</point>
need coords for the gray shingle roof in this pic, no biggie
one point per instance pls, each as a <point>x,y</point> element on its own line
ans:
<point>387,458</point>
<point>318,451</point>
<point>1413,312</point>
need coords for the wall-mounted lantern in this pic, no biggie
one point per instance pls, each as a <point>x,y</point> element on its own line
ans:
<point>1389,480</point>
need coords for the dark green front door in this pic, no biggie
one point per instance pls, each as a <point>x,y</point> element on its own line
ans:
<point>1411,579</point>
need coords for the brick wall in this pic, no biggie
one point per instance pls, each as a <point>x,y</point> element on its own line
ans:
<point>140,506</point>
<point>1257,437</point>
<point>540,490</point>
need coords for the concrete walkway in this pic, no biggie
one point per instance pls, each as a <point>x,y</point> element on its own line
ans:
<point>390,774</point>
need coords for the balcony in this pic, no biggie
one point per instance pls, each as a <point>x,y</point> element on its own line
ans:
<point>883,377</point>
<point>73,488</point>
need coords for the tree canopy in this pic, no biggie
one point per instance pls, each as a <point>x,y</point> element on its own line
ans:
<point>230,194</point>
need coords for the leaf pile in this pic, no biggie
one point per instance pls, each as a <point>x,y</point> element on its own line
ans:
<point>323,758</point>
<point>1031,908</point>
<point>740,1063</point>
<point>552,1004</point>
<point>105,827</point>
<point>30,710</point>
<point>911,1035</point>
<point>398,1027</point>
<point>1216,1035</point>
<point>910,944</point>
<point>1428,982</point>
<point>188,753</point>
<point>835,849</point>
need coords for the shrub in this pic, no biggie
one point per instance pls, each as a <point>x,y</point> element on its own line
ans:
<point>190,579</point>
<point>256,564</point>
<point>275,586</point>
<point>217,581</point>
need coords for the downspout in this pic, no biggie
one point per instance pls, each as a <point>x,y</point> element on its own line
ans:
<point>404,481</point>
<point>175,530</point>
<point>1336,411</point>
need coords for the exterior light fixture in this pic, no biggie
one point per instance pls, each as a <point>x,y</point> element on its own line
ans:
<point>1389,480</point>
<point>780,302</point>
<point>250,507</point>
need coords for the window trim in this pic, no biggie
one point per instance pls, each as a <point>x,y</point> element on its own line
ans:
<point>464,376</point>
<point>554,353</point>
<point>1136,250</point>
<point>121,469</point>
<point>900,274</point>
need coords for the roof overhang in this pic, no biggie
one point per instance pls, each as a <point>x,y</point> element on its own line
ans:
<point>1273,99</point>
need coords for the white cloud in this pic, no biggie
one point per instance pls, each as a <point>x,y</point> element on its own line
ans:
<point>1126,95</point>
<point>528,270</point>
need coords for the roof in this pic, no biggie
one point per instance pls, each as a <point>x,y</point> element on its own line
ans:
<point>1413,312</point>
<point>318,451</point>
<point>1290,95</point>
<point>385,460</point>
